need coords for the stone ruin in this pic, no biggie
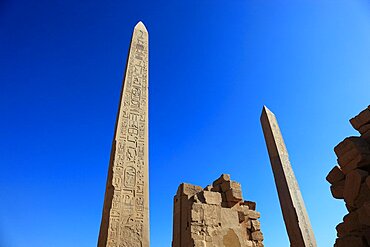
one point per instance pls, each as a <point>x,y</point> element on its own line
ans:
<point>216,216</point>
<point>351,181</point>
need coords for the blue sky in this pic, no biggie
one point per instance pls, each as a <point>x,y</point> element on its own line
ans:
<point>213,65</point>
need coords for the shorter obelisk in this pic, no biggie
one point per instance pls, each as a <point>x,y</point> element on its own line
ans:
<point>294,212</point>
<point>125,219</point>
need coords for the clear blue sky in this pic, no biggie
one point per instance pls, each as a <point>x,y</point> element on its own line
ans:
<point>213,65</point>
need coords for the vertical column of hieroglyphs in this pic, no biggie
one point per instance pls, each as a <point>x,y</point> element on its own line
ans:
<point>295,216</point>
<point>126,205</point>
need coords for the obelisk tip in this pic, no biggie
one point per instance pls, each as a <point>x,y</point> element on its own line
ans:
<point>140,25</point>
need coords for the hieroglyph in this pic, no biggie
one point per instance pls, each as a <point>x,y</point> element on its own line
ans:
<point>125,220</point>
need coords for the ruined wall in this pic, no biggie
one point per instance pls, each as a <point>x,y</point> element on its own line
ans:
<point>351,181</point>
<point>215,216</point>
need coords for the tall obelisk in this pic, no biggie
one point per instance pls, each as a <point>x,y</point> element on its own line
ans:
<point>125,220</point>
<point>294,212</point>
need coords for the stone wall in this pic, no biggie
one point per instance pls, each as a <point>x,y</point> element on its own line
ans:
<point>216,216</point>
<point>350,181</point>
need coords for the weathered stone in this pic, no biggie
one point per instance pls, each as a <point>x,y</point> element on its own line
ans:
<point>364,195</point>
<point>352,185</point>
<point>364,128</point>
<point>208,188</point>
<point>351,222</point>
<point>361,161</point>
<point>254,215</point>
<point>210,197</point>
<point>125,218</point>
<point>295,215</point>
<point>230,185</point>
<point>256,225</point>
<point>233,195</point>
<point>337,190</point>
<point>251,205</point>
<point>341,230</point>
<point>221,179</point>
<point>361,119</point>
<point>352,241</point>
<point>335,175</point>
<point>257,235</point>
<point>188,190</point>
<point>364,214</point>
<point>349,143</point>
<point>201,219</point>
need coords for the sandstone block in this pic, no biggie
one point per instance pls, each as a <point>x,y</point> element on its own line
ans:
<point>352,185</point>
<point>366,136</point>
<point>335,175</point>
<point>361,119</point>
<point>221,179</point>
<point>337,190</point>
<point>229,217</point>
<point>230,185</point>
<point>361,161</point>
<point>353,241</point>
<point>351,222</point>
<point>348,143</point>
<point>253,215</point>
<point>364,128</point>
<point>251,205</point>
<point>234,195</point>
<point>341,230</point>
<point>364,195</point>
<point>257,235</point>
<point>188,189</point>
<point>364,214</point>
<point>256,225</point>
<point>352,154</point>
<point>210,197</point>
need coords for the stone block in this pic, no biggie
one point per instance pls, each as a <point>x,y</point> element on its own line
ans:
<point>256,225</point>
<point>366,136</point>
<point>337,190</point>
<point>361,119</point>
<point>210,197</point>
<point>251,205</point>
<point>361,161</point>
<point>234,195</point>
<point>364,214</point>
<point>253,215</point>
<point>351,222</point>
<point>230,185</point>
<point>341,230</point>
<point>364,195</point>
<point>348,143</point>
<point>335,175</point>
<point>229,217</point>
<point>352,185</point>
<point>364,128</point>
<point>188,189</point>
<point>221,179</point>
<point>352,154</point>
<point>350,241</point>
<point>257,236</point>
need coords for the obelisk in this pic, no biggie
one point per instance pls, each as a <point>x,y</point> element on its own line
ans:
<point>294,212</point>
<point>125,219</point>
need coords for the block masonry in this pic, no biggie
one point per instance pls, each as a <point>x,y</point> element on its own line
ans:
<point>350,181</point>
<point>215,216</point>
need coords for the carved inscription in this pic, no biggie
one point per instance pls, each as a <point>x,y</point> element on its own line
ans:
<point>128,214</point>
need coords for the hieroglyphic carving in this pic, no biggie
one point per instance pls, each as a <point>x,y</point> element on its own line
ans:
<point>128,199</point>
<point>298,224</point>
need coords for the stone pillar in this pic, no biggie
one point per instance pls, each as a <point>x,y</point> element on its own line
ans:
<point>125,218</point>
<point>294,212</point>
